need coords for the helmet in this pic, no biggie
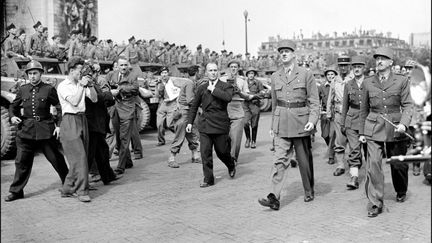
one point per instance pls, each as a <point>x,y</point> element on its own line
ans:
<point>34,65</point>
<point>252,69</point>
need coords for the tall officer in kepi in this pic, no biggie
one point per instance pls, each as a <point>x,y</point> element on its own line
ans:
<point>350,119</point>
<point>36,129</point>
<point>295,112</point>
<point>384,95</point>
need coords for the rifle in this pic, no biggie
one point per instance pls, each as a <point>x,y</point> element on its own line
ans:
<point>124,49</point>
<point>62,55</point>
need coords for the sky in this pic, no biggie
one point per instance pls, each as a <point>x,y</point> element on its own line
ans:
<point>193,22</point>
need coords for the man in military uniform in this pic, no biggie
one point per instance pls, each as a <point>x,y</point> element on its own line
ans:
<point>36,43</point>
<point>252,107</point>
<point>13,46</point>
<point>199,56</point>
<point>384,95</point>
<point>295,110</point>
<point>334,108</point>
<point>223,61</point>
<point>36,129</point>
<point>350,119</point>
<point>131,54</point>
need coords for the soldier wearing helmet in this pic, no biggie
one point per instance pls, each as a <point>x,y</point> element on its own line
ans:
<point>36,129</point>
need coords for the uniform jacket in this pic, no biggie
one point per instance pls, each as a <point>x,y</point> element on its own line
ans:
<point>36,44</point>
<point>323,92</point>
<point>37,123</point>
<point>214,119</point>
<point>351,105</point>
<point>127,99</point>
<point>298,86</point>
<point>13,46</point>
<point>97,113</point>
<point>390,99</point>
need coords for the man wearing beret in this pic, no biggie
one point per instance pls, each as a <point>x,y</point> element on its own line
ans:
<point>350,119</point>
<point>295,111</point>
<point>36,43</point>
<point>384,95</point>
<point>198,58</point>
<point>131,54</point>
<point>223,60</point>
<point>13,46</point>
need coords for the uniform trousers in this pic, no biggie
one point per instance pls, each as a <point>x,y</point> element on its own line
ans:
<point>181,134</point>
<point>99,153</point>
<point>164,118</point>
<point>355,146</point>
<point>74,137</point>
<point>135,136</point>
<point>222,146</point>
<point>236,115</point>
<point>123,131</point>
<point>251,119</point>
<point>339,142</point>
<point>283,154</point>
<point>26,149</point>
<point>328,133</point>
<point>374,173</point>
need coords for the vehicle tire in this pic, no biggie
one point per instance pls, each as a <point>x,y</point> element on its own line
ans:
<point>264,104</point>
<point>144,118</point>
<point>8,133</point>
<point>269,104</point>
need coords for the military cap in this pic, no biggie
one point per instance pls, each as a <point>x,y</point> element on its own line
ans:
<point>109,41</point>
<point>74,61</point>
<point>138,42</point>
<point>55,36</point>
<point>34,65</point>
<point>230,53</point>
<point>131,39</point>
<point>409,63</point>
<point>251,69</point>
<point>199,47</point>
<point>385,52</point>
<point>182,46</point>
<point>152,40</point>
<point>164,68</point>
<point>21,31</point>
<point>287,44</point>
<point>358,60</point>
<point>45,29</point>
<point>330,69</point>
<point>233,61</point>
<point>172,45</point>
<point>37,25</point>
<point>92,38</point>
<point>247,54</point>
<point>166,43</point>
<point>11,26</point>
<point>343,60</point>
<point>223,51</point>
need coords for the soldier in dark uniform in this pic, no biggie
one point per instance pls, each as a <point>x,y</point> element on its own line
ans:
<point>350,119</point>
<point>36,129</point>
<point>384,95</point>
<point>295,110</point>
<point>252,107</point>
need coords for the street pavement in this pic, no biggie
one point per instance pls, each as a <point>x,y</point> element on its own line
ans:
<point>156,203</point>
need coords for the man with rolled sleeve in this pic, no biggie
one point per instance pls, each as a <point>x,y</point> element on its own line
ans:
<point>350,119</point>
<point>384,95</point>
<point>74,134</point>
<point>36,129</point>
<point>295,111</point>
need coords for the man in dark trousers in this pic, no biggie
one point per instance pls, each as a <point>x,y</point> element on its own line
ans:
<point>384,95</point>
<point>295,111</point>
<point>36,129</point>
<point>213,124</point>
<point>125,83</point>
<point>98,126</point>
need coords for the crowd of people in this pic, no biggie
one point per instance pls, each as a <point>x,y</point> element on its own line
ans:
<point>98,115</point>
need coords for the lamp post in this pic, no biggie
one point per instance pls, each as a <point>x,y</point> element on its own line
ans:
<point>245,13</point>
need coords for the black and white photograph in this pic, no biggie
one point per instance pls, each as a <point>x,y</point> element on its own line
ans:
<point>216,121</point>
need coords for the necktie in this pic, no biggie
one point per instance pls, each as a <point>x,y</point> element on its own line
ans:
<point>382,79</point>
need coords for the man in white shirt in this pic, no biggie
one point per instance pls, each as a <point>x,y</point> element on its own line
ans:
<point>74,131</point>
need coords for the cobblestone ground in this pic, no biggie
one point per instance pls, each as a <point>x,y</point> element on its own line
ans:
<point>155,203</point>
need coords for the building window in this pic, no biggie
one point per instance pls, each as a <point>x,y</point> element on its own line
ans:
<point>369,42</point>
<point>336,43</point>
<point>344,43</point>
<point>351,42</point>
<point>327,44</point>
<point>320,44</point>
<point>361,42</point>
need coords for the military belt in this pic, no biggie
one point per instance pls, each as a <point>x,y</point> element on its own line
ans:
<point>354,106</point>
<point>38,118</point>
<point>287,104</point>
<point>392,109</point>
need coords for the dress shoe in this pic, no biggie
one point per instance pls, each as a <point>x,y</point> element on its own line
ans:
<point>206,184</point>
<point>253,144</point>
<point>401,198</point>
<point>114,178</point>
<point>14,196</point>
<point>374,211</point>
<point>128,166</point>
<point>338,172</point>
<point>94,178</point>
<point>331,161</point>
<point>63,193</point>
<point>247,143</point>
<point>138,156</point>
<point>293,163</point>
<point>232,172</point>
<point>271,201</point>
<point>160,144</point>
<point>173,164</point>
<point>84,198</point>
<point>308,198</point>
<point>119,171</point>
<point>416,170</point>
<point>92,188</point>
<point>353,183</point>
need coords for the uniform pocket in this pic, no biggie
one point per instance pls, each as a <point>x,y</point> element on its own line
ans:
<point>370,125</point>
<point>276,120</point>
